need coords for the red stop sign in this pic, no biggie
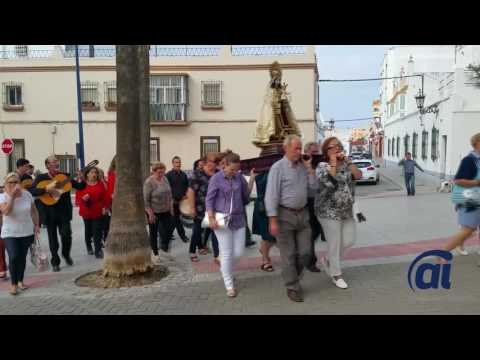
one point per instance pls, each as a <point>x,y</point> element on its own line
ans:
<point>7,146</point>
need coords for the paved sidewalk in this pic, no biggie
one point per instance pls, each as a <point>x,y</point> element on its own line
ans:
<point>379,289</point>
<point>397,229</point>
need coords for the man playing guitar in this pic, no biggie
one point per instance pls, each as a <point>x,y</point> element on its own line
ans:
<point>59,214</point>
<point>23,166</point>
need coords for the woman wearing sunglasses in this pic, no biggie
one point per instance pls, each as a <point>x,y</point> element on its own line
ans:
<point>20,223</point>
<point>334,205</point>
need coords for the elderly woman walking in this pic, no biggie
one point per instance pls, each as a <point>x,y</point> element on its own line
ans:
<point>228,194</point>
<point>159,208</point>
<point>334,206</point>
<point>20,224</point>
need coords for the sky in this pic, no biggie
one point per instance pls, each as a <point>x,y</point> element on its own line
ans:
<point>349,100</point>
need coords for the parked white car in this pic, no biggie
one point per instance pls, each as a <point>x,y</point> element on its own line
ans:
<point>369,170</point>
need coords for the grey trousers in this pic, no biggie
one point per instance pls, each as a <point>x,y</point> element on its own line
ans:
<point>294,243</point>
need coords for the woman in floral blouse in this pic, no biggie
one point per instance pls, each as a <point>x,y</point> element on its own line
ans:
<point>334,205</point>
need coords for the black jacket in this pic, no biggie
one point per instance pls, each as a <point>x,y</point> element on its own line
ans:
<point>178,181</point>
<point>60,212</point>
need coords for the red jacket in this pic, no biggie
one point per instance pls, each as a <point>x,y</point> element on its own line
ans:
<point>111,178</point>
<point>92,209</point>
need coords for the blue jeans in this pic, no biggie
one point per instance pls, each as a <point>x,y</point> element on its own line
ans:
<point>410,183</point>
<point>17,249</point>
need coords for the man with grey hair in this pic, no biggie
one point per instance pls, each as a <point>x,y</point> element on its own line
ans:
<point>57,217</point>
<point>286,206</point>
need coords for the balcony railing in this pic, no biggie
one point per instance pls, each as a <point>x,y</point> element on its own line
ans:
<point>273,50</point>
<point>30,54</point>
<point>162,51</point>
<point>155,51</point>
<point>93,53</point>
<point>168,112</point>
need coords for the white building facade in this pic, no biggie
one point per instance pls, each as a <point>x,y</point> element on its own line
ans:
<point>201,100</point>
<point>437,141</point>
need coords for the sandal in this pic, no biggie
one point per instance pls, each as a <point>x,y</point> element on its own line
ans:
<point>194,258</point>
<point>23,287</point>
<point>216,261</point>
<point>203,252</point>
<point>13,292</point>
<point>231,293</point>
<point>267,267</point>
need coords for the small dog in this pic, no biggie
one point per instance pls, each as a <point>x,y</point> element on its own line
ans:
<point>445,187</point>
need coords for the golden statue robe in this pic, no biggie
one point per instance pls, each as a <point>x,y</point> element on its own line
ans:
<point>276,119</point>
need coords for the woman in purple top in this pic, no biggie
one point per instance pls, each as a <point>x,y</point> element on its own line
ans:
<point>228,194</point>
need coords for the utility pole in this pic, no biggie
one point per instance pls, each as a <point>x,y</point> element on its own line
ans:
<point>81,149</point>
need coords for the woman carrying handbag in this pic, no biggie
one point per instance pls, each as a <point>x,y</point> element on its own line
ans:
<point>38,257</point>
<point>20,223</point>
<point>225,204</point>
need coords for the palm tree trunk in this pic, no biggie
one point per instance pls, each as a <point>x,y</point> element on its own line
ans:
<point>127,250</point>
<point>144,93</point>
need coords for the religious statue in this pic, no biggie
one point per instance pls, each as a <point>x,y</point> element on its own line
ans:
<point>276,119</point>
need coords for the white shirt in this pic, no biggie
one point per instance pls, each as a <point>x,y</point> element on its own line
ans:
<point>19,222</point>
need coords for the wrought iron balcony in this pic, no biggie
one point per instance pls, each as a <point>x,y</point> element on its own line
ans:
<point>168,112</point>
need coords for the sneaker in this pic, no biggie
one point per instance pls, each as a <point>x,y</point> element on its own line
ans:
<point>231,293</point>
<point>462,251</point>
<point>340,283</point>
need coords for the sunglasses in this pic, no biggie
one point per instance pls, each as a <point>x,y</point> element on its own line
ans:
<point>13,182</point>
<point>335,146</point>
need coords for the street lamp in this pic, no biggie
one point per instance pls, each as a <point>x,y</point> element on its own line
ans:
<point>332,124</point>
<point>420,99</point>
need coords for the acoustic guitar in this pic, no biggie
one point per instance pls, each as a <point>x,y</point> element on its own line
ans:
<point>60,182</point>
<point>26,184</point>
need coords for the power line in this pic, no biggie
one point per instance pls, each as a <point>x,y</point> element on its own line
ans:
<point>370,79</point>
<point>362,119</point>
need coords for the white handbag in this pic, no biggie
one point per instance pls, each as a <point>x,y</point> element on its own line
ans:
<point>38,257</point>
<point>222,219</point>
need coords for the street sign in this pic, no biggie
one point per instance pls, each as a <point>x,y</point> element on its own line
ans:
<point>7,146</point>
